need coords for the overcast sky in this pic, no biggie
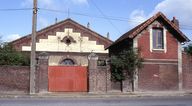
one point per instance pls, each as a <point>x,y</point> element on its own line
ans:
<point>113,16</point>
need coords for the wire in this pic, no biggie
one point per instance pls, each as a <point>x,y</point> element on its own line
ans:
<point>185,28</point>
<point>105,16</point>
<point>16,9</point>
<point>186,25</point>
<point>81,14</point>
<point>109,18</point>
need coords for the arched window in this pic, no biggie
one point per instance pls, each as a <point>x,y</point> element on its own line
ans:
<point>68,62</point>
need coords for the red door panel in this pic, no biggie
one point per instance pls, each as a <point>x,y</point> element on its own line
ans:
<point>67,79</point>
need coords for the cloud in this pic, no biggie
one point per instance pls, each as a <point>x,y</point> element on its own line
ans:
<point>80,1</point>
<point>27,3</point>
<point>137,17</point>
<point>53,4</point>
<point>11,37</point>
<point>42,22</point>
<point>181,9</point>
<point>41,3</point>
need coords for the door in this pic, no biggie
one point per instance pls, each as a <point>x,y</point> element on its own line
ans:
<point>67,79</point>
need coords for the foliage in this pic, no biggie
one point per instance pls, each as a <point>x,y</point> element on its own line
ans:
<point>124,65</point>
<point>188,49</point>
<point>9,56</point>
<point>101,62</point>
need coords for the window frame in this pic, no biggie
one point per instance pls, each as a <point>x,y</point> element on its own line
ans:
<point>162,42</point>
<point>164,32</point>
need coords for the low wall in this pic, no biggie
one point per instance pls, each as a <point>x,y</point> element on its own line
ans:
<point>99,80</point>
<point>187,72</point>
<point>103,78</point>
<point>14,79</point>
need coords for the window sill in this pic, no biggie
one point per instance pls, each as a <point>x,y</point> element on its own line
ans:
<point>158,50</point>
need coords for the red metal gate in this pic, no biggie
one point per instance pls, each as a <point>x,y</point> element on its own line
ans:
<point>67,79</point>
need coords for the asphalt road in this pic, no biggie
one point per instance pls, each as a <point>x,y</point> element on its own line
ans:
<point>134,101</point>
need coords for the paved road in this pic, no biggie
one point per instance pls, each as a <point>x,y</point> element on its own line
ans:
<point>134,101</point>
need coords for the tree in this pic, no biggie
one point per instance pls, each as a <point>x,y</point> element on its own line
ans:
<point>9,56</point>
<point>124,65</point>
<point>188,49</point>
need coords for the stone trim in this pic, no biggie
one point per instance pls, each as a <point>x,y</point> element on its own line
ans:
<point>180,67</point>
<point>175,60</point>
<point>135,45</point>
<point>159,63</point>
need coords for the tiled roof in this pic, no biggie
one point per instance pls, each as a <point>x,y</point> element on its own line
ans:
<point>135,31</point>
<point>63,23</point>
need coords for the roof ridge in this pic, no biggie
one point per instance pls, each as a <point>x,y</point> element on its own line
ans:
<point>134,31</point>
<point>58,23</point>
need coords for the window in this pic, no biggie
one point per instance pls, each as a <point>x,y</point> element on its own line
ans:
<point>101,62</point>
<point>68,40</point>
<point>68,62</point>
<point>158,39</point>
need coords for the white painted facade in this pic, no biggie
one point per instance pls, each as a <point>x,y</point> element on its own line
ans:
<point>54,43</point>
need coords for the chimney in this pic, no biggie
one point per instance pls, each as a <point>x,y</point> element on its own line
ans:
<point>107,35</point>
<point>55,20</point>
<point>88,25</point>
<point>175,21</point>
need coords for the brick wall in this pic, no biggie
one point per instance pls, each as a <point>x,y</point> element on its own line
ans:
<point>187,71</point>
<point>160,70</point>
<point>14,78</point>
<point>99,80</point>
<point>156,77</point>
<point>144,45</point>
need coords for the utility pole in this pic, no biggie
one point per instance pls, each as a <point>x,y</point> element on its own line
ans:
<point>33,49</point>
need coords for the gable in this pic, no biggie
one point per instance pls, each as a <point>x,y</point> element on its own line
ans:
<point>157,17</point>
<point>61,27</point>
<point>67,41</point>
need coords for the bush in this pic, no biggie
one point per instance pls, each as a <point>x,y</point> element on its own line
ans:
<point>124,65</point>
<point>188,49</point>
<point>9,56</point>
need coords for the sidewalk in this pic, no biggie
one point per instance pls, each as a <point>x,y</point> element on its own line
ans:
<point>99,95</point>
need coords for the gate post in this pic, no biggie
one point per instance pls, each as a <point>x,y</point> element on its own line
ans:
<point>92,70</point>
<point>43,72</point>
<point>108,76</point>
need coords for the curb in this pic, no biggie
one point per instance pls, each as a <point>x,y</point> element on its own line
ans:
<point>95,95</point>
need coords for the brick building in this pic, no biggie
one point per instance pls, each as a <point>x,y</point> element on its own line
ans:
<point>68,45</point>
<point>71,65</point>
<point>159,41</point>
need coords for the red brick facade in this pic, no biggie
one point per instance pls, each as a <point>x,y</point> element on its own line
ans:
<point>144,45</point>
<point>14,78</point>
<point>162,68</point>
<point>155,77</point>
<point>187,71</point>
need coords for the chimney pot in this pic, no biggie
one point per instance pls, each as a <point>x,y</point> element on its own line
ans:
<point>56,20</point>
<point>88,25</point>
<point>108,35</point>
<point>175,21</point>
